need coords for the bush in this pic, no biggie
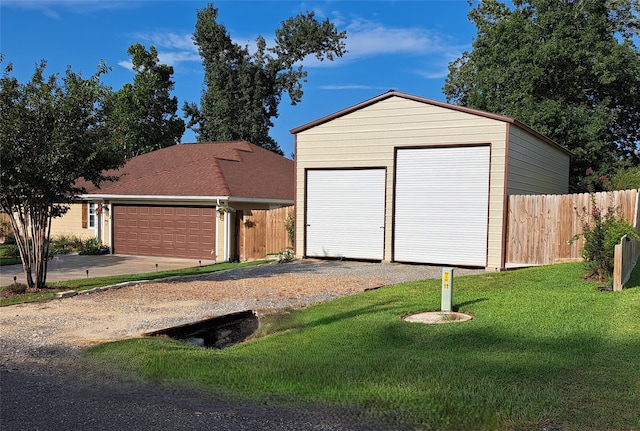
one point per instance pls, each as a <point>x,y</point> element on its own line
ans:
<point>90,246</point>
<point>601,231</point>
<point>16,288</point>
<point>6,232</point>
<point>626,179</point>
<point>65,244</point>
<point>9,251</point>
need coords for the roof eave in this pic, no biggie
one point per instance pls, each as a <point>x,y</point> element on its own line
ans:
<point>181,199</point>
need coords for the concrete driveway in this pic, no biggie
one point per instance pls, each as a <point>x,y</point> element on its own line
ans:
<point>73,266</point>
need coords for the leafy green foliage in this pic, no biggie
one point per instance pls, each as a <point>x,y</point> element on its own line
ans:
<point>602,230</point>
<point>90,246</point>
<point>64,244</point>
<point>290,226</point>
<point>9,250</point>
<point>143,116</point>
<point>242,90</point>
<point>569,69</point>
<point>626,179</point>
<point>52,133</point>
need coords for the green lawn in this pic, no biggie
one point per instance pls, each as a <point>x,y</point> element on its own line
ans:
<point>544,347</point>
<point>9,260</point>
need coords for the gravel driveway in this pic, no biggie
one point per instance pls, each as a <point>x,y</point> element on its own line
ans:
<point>40,342</point>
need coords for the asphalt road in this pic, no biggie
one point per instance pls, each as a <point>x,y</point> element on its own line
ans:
<point>56,403</point>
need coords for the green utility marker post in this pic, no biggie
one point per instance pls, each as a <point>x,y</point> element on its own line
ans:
<point>447,289</point>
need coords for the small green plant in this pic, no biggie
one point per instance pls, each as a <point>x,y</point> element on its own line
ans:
<point>286,255</point>
<point>7,233</point>
<point>9,251</point>
<point>90,246</point>
<point>602,230</point>
<point>16,288</point>
<point>290,226</point>
<point>65,244</point>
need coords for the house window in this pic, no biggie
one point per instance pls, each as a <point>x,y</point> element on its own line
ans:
<point>92,216</point>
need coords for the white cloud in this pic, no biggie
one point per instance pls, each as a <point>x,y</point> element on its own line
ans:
<point>173,48</point>
<point>51,7</point>
<point>171,41</point>
<point>367,38</point>
<point>126,64</point>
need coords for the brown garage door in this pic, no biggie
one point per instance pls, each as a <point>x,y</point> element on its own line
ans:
<point>164,231</point>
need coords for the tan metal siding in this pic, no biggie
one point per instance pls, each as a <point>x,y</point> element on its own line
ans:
<point>535,167</point>
<point>367,138</point>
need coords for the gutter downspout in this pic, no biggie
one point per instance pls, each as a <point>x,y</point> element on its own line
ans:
<point>226,252</point>
<point>227,227</point>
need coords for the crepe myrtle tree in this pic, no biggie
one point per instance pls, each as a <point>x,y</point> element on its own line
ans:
<point>52,133</point>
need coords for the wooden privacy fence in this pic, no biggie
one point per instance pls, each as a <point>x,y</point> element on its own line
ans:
<point>625,257</point>
<point>262,232</point>
<point>540,227</point>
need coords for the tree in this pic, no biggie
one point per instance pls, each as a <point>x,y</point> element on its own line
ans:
<point>144,114</point>
<point>242,91</point>
<point>52,133</point>
<point>568,68</point>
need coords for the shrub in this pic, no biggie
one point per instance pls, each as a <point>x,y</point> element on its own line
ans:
<point>90,246</point>
<point>16,288</point>
<point>290,226</point>
<point>9,251</point>
<point>602,230</point>
<point>7,233</point>
<point>626,179</point>
<point>65,244</point>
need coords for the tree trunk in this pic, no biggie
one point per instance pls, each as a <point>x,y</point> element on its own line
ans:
<point>32,227</point>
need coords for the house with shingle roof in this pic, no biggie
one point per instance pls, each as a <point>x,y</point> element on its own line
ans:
<point>182,201</point>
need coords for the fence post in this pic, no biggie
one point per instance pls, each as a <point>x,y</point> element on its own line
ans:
<point>618,266</point>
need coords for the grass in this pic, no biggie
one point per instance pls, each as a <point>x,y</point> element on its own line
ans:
<point>544,347</point>
<point>90,283</point>
<point>9,261</point>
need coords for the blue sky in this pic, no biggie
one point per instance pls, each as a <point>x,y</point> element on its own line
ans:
<point>400,45</point>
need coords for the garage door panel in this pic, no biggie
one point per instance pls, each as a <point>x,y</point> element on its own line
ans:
<point>345,213</point>
<point>164,231</point>
<point>441,205</point>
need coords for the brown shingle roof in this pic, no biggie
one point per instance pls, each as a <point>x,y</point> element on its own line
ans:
<point>236,169</point>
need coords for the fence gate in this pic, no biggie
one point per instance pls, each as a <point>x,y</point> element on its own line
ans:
<point>262,232</point>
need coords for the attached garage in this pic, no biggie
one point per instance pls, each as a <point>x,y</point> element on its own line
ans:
<point>167,231</point>
<point>345,213</point>
<point>183,201</point>
<point>436,175</point>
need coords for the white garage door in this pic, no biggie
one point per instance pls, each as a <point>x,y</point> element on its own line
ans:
<point>442,205</point>
<point>345,213</point>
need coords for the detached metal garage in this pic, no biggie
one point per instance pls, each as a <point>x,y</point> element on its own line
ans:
<point>407,179</point>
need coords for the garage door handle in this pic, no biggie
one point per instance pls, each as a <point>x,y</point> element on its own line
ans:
<point>308,225</point>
